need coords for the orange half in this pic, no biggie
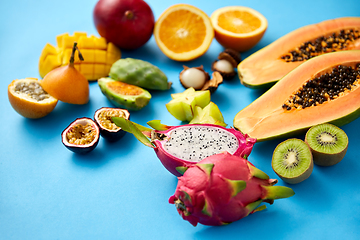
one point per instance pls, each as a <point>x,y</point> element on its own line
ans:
<point>237,27</point>
<point>183,32</point>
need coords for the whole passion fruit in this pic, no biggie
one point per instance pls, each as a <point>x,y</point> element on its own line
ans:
<point>81,136</point>
<point>128,24</point>
<point>108,128</point>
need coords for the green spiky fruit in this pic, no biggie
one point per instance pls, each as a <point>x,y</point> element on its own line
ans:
<point>224,188</point>
<point>140,73</point>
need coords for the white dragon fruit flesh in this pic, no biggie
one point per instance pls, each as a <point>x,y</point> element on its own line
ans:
<point>224,188</point>
<point>185,145</point>
<point>179,147</point>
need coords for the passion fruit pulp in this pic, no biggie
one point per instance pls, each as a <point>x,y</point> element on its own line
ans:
<point>81,136</point>
<point>108,129</point>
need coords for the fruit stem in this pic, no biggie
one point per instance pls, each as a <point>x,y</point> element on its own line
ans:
<point>129,15</point>
<point>72,57</point>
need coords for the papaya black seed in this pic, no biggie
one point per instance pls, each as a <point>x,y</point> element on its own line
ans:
<point>334,42</point>
<point>323,88</point>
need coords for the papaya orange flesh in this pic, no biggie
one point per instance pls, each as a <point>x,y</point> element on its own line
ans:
<point>266,117</point>
<point>266,66</point>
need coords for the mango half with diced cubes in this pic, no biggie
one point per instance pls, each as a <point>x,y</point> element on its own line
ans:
<point>99,55</point>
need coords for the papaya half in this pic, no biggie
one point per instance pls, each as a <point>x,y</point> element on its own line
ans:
<point>265,67</point>
<point>323,89</point>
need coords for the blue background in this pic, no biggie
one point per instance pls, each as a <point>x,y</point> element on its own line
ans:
<point>121,190</point>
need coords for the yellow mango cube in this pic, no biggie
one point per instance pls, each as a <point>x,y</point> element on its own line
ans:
<point>59,39</point>
<point>85,42</point>
<point>100,71</point>
<point>49,63</point>
<point>48,50</point>
<point>100,42</point>
<point>87,68</point>
<point>78,35</point>
<point>88,55</point>
<point>100,56</point>
<point>66,41</point>
<point>114,50</point>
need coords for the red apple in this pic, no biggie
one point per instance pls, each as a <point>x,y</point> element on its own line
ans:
<point>128,24</point>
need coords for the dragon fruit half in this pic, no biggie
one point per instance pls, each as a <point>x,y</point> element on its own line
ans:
<point>224,188</point>
<point>179,147</point>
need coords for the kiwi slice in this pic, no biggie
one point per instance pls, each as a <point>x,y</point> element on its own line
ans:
<point>328,144</point>
<point>292,161</point>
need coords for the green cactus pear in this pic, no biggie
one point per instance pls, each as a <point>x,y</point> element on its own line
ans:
<point>124,95</point>
<point>140,73</point>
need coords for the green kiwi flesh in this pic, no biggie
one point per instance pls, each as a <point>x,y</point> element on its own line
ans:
<point>292,161</point>
<point>328,144</point>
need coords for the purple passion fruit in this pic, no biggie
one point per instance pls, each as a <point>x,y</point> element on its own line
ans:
<point>108,128</point>
<point>81,136</point>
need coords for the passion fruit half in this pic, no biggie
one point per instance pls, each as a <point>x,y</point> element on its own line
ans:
<point>81,136</point>
<point>29,99</point>
<point>108,129</point>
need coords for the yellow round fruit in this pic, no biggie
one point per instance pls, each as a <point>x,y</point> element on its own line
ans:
<point>183,32</point>
<point>29,99</point>
<point>66,83</point>
<point>239,28</point>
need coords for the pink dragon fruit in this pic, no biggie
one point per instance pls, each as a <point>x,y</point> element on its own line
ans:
<point>179,147</point>
<point>224,188</point>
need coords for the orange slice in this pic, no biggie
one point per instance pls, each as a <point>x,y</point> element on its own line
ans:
<point>29,99</point>
<point>237,27</point>
<point>183,32</point>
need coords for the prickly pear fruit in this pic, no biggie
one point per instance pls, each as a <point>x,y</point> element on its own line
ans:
<point>224,188</point>
<point>124,95</point>
<point>140,73</point>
